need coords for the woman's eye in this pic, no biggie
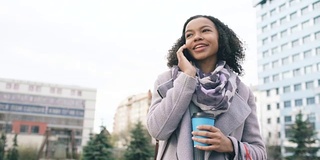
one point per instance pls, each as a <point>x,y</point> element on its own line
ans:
<point>206,30</point>
<point>188,35</point>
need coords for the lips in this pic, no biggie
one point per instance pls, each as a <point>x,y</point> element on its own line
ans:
<point>201,45</point>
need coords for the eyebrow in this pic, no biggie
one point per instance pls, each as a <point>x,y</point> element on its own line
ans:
<point>200,28</point>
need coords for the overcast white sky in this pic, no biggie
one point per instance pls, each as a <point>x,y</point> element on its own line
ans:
<point>116,46</point>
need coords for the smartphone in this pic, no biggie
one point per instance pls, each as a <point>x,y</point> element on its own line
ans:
<point>187,54</point>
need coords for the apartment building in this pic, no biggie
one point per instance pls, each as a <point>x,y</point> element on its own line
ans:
<point>288,66</point>
<point>131,110</point>
<point>32,109</point>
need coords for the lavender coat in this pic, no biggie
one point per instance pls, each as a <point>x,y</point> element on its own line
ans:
<point>166,112</point>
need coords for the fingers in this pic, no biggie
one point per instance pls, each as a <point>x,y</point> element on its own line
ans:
<point>209,135</point>
<point>180,52</point>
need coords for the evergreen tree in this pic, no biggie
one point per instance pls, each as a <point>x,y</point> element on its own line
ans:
<point>3,141</point>
<point>304,135</point>
<point>98,147</point>
<point>140,147</point>
<point>13,153</point>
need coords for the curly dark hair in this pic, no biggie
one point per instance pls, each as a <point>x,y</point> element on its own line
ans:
<point>230,47</point>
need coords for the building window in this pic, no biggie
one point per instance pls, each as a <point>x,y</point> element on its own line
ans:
<point>312,117</point>
<point>275,64</point>
<point>293,15</point>
<point>310,100</point>
<point>282,7</point>
<point>294,29</point>
<point>273,12</point>
<point>316,5</point>
<point>35,129</point>
<point>264,28</point>
<point>306,39</point>
<point>31,88</point>
<point>304,10</point>
<point>24,129</point>
<point>296,72</point>
<point>265,54</point>
<point>284,47</point>
<point>318,66</point>
<point>278,105</point>
<point>269,134</point>
<point>264,41</point>
<point>266,80</point>
<point>279,134</point>
<point>287,104</point>
<point>273,24</point>
<point>309,85</point>
<point>274,37</point>
<point>268,107</point>
<point>298,102</point>
<point>274,50</point>
<point>317,35</point>
<point>288,132</point>
<point>295,43</point>
<point>285,61</point>
<point>8,85</point>
<point>319,81</point>
<point>297,87</point>
<point>16,86</point>
<point>283,20</point>
<point>268,93</point>
<point>295,57</point>
<point>79,93</point>
<point>316,20</point>
<point>275,78</point>
<point>284,33</point>
<point>305,24</point>
<point>286,75</point>
<point>263,17</point>
<point>269,120</point>
<point>318,51</point>
<point>52,90</point>
<point>278,120</point>
<point>308,69</point>
<point>307,54</point>
<point>287,119</point>
<point>286,89</point>
<point>265,66</point>
<point>291,2</point>
<point>277,91</point>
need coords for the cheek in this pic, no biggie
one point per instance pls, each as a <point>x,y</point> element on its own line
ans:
<point>188,44</point>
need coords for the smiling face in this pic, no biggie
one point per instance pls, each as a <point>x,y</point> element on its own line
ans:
<point>202,40</point>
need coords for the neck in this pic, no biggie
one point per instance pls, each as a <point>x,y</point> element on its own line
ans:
<point>207,66</point>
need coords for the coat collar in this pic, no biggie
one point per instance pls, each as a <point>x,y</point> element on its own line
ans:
<point>239,110</point>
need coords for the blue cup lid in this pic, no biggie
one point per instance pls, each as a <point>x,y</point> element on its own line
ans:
<point>203,114</point>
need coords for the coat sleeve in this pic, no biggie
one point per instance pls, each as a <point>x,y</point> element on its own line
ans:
<point>165,113</point>
<point>251,141</point>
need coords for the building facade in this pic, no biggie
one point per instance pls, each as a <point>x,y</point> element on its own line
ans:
<point>32,109</point>
<point>288,66</point>
<point>130,111</point>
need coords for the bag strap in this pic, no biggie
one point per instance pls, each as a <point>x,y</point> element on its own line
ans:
<point>156,149</point>
<point>248,157</point>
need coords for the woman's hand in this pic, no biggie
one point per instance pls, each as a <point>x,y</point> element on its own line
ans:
<point>184,64</point>
<point>216,139</point>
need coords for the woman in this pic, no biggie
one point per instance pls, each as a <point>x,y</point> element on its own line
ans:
<point>204,67</point>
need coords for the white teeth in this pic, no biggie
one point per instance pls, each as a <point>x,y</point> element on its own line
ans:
<point>198,46</point>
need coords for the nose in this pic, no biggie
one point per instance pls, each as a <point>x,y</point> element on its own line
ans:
<point>198,37</point>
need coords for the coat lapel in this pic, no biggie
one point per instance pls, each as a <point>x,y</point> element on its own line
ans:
<point>239,110</point>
